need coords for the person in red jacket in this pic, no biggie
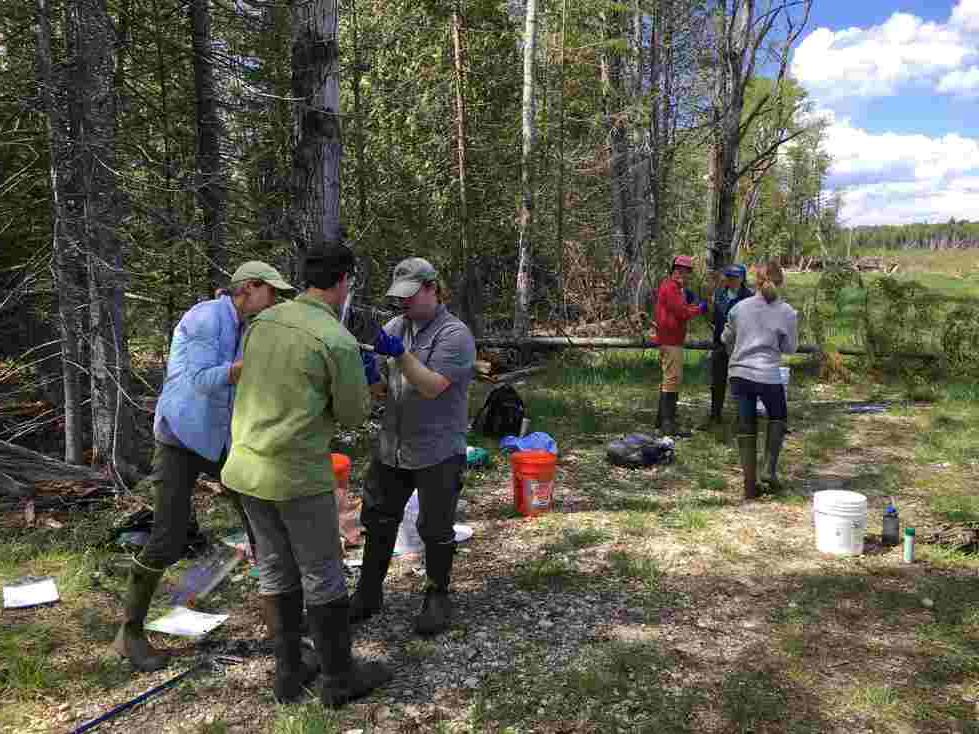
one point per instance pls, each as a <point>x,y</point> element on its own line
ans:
<point>675,306</point>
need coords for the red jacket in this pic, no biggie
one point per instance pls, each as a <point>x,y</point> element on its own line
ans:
<point>672,314</point>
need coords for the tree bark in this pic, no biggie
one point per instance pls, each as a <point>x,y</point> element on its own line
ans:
<point>469,274</point>
<point>68,276</point>
<point>211,185</point>
<point>97,206</point>
<point>524,291</point>
<point>318,146</point>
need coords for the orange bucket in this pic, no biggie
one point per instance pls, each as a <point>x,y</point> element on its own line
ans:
<point>533,481</point>
<point>349,527</point>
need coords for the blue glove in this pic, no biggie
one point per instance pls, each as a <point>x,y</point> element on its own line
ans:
<point>371,372</point>
<point>388,345</point>
<point>703,306</point>
<point>690,296</point>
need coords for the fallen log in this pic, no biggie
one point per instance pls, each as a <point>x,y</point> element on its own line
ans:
<point>625,342</point>
<point>21,470</point>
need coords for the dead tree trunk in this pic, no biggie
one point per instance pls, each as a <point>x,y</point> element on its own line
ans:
<point>741,29</point>
<point>469,273</point>
<point>68,276</point>
<point>524,292</point>
<point>318,146</point>
<point>97,206</point>
<point>211,186</point>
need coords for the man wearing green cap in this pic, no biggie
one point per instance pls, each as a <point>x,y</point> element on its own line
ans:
<point>192,429</point>
<point>429,357</point>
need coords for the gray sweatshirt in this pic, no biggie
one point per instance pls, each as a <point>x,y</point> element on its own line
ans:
<point>757,334</point>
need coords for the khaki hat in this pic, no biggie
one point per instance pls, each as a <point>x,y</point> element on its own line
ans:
<point>410,275</point>
<point>257,270</point>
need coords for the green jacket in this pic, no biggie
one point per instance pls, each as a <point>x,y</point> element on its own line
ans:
<point>303,374</point>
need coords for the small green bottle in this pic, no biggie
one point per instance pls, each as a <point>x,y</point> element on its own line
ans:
<point>909,545</point>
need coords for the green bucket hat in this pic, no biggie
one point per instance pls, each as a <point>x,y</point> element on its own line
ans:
<point>257,270</point>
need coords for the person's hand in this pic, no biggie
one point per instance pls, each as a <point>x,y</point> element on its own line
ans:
<point>703,306</point>
<point>371,372</point>
<point>234,373</point>
<point>388,345</point>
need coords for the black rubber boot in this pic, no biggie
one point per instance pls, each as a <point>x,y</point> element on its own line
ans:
<point>661,411</point>
<point>294,670</point>
<point>436,611</point>
<point>748,447</point>
<point>131,642</point>
<point>344,677</point>
<point>368,599</point>
<point>773,447</point>
<point>670,424</point>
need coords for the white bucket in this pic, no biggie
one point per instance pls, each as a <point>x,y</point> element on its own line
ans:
<point>408,540</point>
<point>784,373</point>
<point>841,521</point>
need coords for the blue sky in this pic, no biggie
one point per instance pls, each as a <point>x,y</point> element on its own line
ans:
<point>898,83</point>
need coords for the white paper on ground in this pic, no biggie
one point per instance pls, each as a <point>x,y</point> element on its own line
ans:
<point>463,533</point>
<point>184,622</point>
<point>30,594</point>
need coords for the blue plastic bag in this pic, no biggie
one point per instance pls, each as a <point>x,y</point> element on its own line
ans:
<point>537,441</point>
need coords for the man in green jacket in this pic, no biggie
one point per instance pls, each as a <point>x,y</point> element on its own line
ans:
<point>303,374</point>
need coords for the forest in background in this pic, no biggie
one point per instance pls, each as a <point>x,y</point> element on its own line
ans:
<point>548,157</point>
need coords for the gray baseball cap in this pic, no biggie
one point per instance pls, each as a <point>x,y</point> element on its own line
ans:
<point>257,270</point>
<point>410,275</point>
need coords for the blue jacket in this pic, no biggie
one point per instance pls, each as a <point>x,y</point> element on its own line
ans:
<point>722,307</point>
<point>194,408</point>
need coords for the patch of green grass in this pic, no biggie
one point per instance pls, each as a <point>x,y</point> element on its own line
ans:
<point>306,718</point>
<point>956,507</point>
<point>876,700</point>
<point>823,440</point>
<point>578,538</point>
<point>688,519</point>
<point>753,698</point>
<point>641,568</point>
<point>637,524</point>
<point>555,571</point>
<point>215,727</point>
<point>955,598</point>
<point>613,686</point>
<point>419,648</point>
<point>25,665</point>
<point>818,593</point>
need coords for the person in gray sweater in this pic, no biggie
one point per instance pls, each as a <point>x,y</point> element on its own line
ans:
<point>759,331</point>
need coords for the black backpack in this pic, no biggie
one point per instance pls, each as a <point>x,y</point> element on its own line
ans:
<point>501,414</point>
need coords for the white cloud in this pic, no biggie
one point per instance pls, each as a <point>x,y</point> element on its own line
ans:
<point>965,15</point>
<point>964,82</point>
<point>879,60</point>
<point>898,178</point>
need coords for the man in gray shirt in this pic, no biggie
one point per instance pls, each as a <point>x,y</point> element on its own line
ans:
<point>430,356</point>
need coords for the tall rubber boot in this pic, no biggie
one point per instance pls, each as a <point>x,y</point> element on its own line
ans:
<point>774,439</point>
<point>670,424</point>
<point>344,677</point>
<point>748,447</point>
<point>661,410</point>
<point>131,642</point>
<point>283,615</point>
<point>368,599</point>
<point>436,611</point>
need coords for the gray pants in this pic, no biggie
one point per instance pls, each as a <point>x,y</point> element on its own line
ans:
<point>298,545</point>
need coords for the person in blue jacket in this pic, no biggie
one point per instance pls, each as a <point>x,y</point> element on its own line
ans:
<point>192,432</point>
<point>733,290</point>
